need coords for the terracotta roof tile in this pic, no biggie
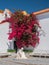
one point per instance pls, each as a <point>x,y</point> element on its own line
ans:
<point>41,11</point>
<point>1,11</point>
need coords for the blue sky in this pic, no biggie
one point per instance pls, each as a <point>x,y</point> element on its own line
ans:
<point>27,5</point>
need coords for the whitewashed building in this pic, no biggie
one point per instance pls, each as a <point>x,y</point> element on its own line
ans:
<point>4,29</point>
<point>43,17</point>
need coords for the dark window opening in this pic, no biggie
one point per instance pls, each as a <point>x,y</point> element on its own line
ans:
<point>15,46</point>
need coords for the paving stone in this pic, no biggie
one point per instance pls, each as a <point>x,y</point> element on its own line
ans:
<point>11,60</point>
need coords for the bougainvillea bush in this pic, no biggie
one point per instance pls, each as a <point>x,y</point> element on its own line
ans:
<point>24,29</point>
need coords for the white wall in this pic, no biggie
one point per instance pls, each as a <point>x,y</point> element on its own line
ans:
<point>3,37</point>
<point>43,46</point>
<point>4,29</point>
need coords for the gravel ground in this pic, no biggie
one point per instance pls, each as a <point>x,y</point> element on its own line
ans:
<point>11,60</point>
<point>29,61</point>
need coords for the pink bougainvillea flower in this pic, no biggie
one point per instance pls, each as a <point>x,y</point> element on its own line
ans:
<point>24,29</point>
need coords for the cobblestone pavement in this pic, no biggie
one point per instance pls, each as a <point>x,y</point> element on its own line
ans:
<point>29,61</point>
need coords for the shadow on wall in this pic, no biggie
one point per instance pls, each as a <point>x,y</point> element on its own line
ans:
<point>12,46</point>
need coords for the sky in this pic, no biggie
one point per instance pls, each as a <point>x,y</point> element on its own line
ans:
<point>27,5</point>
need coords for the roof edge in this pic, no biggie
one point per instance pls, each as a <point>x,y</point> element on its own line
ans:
<point>41,11</point>
<point>1,11</point>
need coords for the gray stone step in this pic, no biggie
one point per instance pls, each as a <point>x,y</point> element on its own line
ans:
<point>3,55</point>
